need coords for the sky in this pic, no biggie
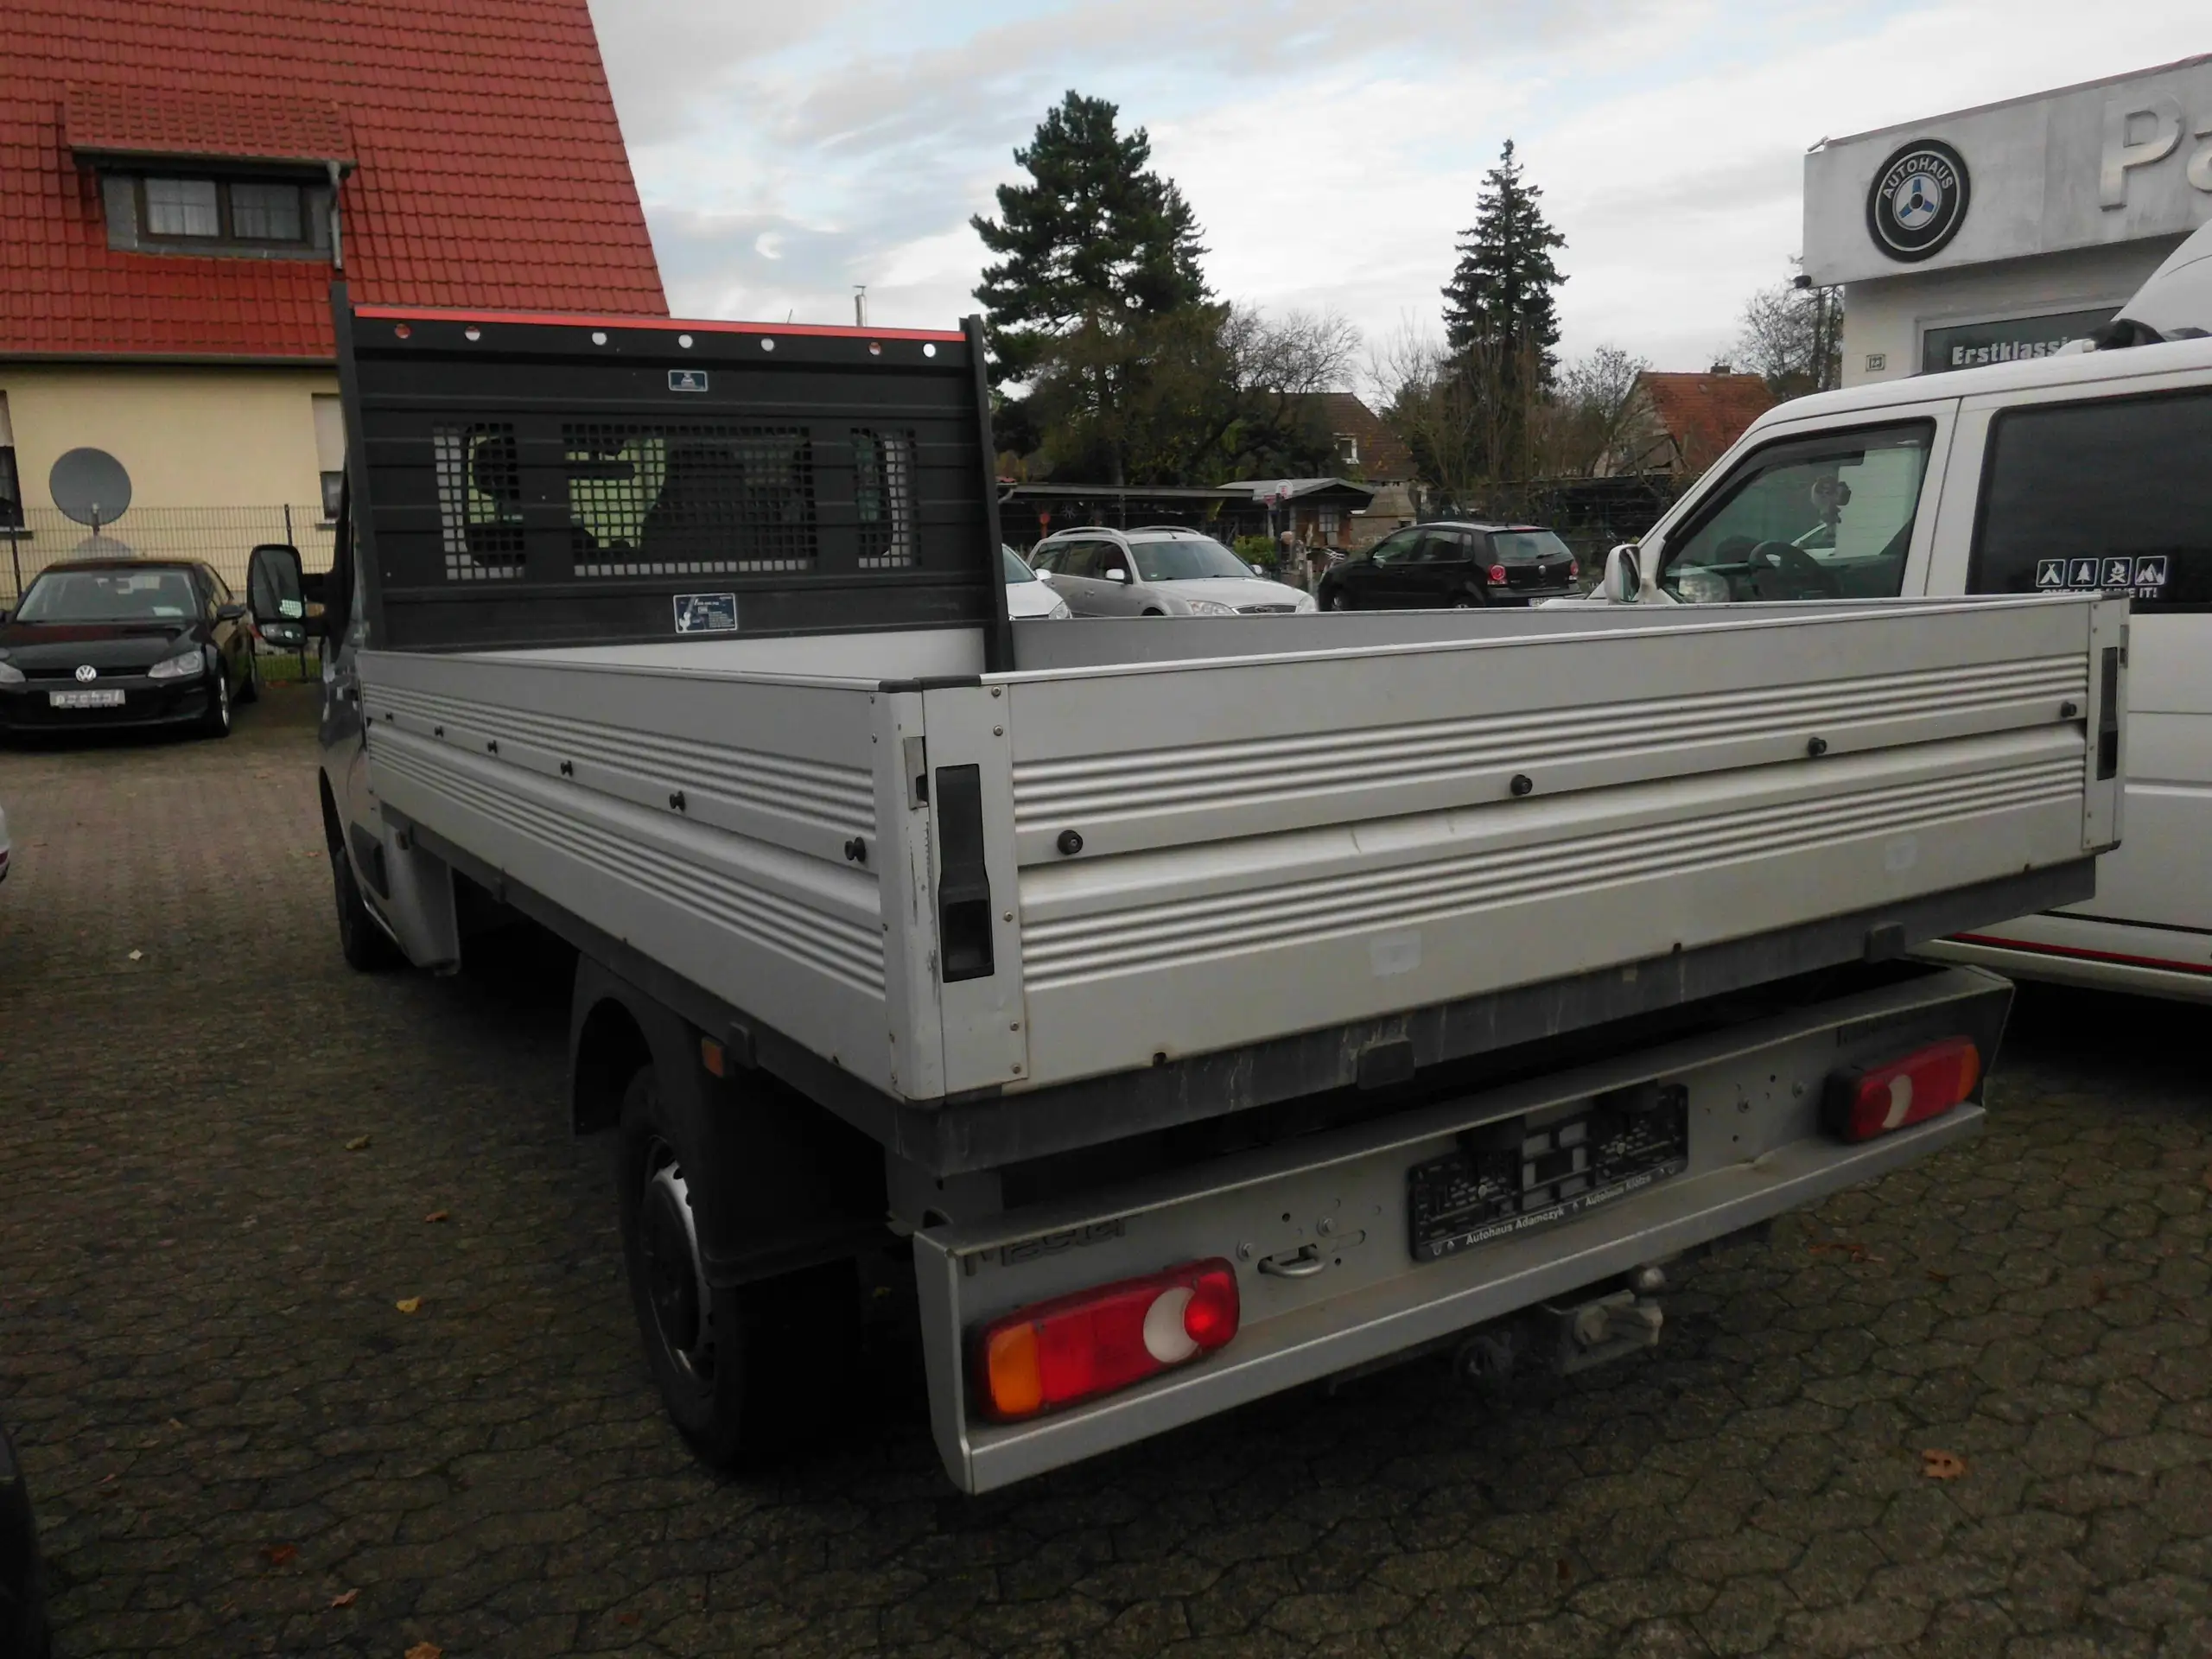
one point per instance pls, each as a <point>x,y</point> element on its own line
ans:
<point>1333,152</point>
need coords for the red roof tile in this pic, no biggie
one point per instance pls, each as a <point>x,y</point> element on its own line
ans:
<point>114,120</point>
<point>491,170</point>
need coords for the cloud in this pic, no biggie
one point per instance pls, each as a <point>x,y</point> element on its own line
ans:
<point>1332,153</point>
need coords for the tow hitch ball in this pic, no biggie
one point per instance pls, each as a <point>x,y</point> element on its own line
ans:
<point>1567,1338</point>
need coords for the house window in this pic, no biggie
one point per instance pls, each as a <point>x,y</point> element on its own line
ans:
<point>258,212</point>
<point>1347,449</point>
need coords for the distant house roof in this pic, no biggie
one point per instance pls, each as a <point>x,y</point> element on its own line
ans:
<point>1682,422</point>
<point>1304,489</point>
<point>487,166</point>
<point>1377,453</point>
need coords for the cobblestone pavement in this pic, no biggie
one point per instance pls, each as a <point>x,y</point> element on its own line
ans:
<point>239,1443</point>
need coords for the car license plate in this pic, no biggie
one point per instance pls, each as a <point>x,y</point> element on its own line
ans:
<point>106,698</point>
<point>1516,1175</point>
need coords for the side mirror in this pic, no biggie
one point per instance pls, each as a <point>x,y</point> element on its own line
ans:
<point>229,612</point>
<point>275,592</point>
<point>1116,573</point>
<point>1623,580</point>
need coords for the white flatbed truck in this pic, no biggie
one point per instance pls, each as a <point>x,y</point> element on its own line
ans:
<point>1205,1006</point>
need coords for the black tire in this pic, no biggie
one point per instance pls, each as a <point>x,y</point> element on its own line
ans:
<point>249,689</point>
<point>216,722</point>
<point>368,948</point>
<point>1336,600</point>
<point>1470,598</point>
<point>744,1371</point>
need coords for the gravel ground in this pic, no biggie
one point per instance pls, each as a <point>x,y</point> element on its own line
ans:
<point>239,1442</point>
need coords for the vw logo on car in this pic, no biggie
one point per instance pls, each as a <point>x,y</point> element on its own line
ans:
<point>87,671</point>
<point>1918,200</point>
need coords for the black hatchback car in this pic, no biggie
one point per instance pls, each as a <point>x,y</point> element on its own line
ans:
<point>125,642</point>
<point>1436,566</point>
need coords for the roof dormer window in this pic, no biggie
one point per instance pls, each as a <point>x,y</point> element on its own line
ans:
<point>264,212</point>
<point>270,217</point>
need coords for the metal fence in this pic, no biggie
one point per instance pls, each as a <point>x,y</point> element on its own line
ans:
<point>223,536</point>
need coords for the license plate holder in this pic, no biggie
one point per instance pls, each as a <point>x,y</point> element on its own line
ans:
<point>1510,1178</point>
<point>102,698</point>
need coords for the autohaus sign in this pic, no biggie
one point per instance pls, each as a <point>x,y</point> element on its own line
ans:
<point>1918,200</point>
<point>2124,160</point>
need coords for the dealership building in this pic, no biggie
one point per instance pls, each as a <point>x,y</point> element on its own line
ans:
<point>2004,232</point>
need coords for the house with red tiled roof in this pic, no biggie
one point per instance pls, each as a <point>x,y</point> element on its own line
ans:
<point>1367,451</point>
<point>182,181</point>
<point>1681,424</point>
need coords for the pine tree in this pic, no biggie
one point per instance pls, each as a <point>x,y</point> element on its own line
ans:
<point>1499,303</point>
<point>1096,239</point>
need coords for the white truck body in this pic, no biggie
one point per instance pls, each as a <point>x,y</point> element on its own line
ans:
<point>1413,974</point>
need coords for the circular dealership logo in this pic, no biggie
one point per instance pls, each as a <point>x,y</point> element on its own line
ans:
<point>1918,201</point>
<point>87,671</point>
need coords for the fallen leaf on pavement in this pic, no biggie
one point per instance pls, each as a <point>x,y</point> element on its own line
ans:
<point>426,1650</point>
<point>436,1215</point>
<point>1940,1278</point>
<point>282,1555</point>
<point>1856,1252</point>
<point>357,1144</point>
<point>174,1423</point>
<point>347,1600</point>
<point>409,1304</point>
<point>137,956</point>
<point>1942,1465</point>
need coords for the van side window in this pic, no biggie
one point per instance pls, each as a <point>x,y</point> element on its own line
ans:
<point>2115,495</point>
<point>1828,517</point>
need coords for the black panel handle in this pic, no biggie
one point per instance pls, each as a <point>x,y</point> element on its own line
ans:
<point>2108,717</point>
<point>963,886</point>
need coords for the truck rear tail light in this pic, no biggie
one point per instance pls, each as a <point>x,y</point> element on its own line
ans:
<point>1863,1102</point>
<point>1497,575</point>
<point>1079,1347</point>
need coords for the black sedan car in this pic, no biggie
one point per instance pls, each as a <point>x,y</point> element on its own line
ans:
<point>125,642</point>
<point>1442,566</point>
<point>22,1599</point>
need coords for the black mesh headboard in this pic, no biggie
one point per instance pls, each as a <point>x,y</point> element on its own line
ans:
<point>521,478</point>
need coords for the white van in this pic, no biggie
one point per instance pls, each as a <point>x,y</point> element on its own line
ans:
<point>2089,469</point>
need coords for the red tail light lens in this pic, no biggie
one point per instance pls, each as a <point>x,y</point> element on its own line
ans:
<point>1077,1347</point>
<point>1867,1101</point>
<point>1574,570</point>
<point>1497,575</point>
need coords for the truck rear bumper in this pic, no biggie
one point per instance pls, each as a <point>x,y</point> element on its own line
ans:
<point>1755,1150</point>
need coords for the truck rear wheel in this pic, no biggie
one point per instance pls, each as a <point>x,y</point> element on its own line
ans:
<point>740,1367</point>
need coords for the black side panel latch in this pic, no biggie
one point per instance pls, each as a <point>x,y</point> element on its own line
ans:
<point>963,886</point>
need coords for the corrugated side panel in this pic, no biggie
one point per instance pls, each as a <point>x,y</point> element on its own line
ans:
<point>723,860</point>
<point>1340,840</point>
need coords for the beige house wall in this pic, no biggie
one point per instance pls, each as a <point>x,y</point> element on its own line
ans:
<point>190,437</point>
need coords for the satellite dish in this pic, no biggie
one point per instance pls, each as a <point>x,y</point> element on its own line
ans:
<point>91,487</point>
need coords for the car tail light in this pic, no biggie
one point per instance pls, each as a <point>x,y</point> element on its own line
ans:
<point>1863,1102</point>
<point>1077,1347</point>
<point>1574,570</point>
<point>1497,574</point>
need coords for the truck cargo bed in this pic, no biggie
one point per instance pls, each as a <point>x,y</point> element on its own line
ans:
<point>1275,854</point>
